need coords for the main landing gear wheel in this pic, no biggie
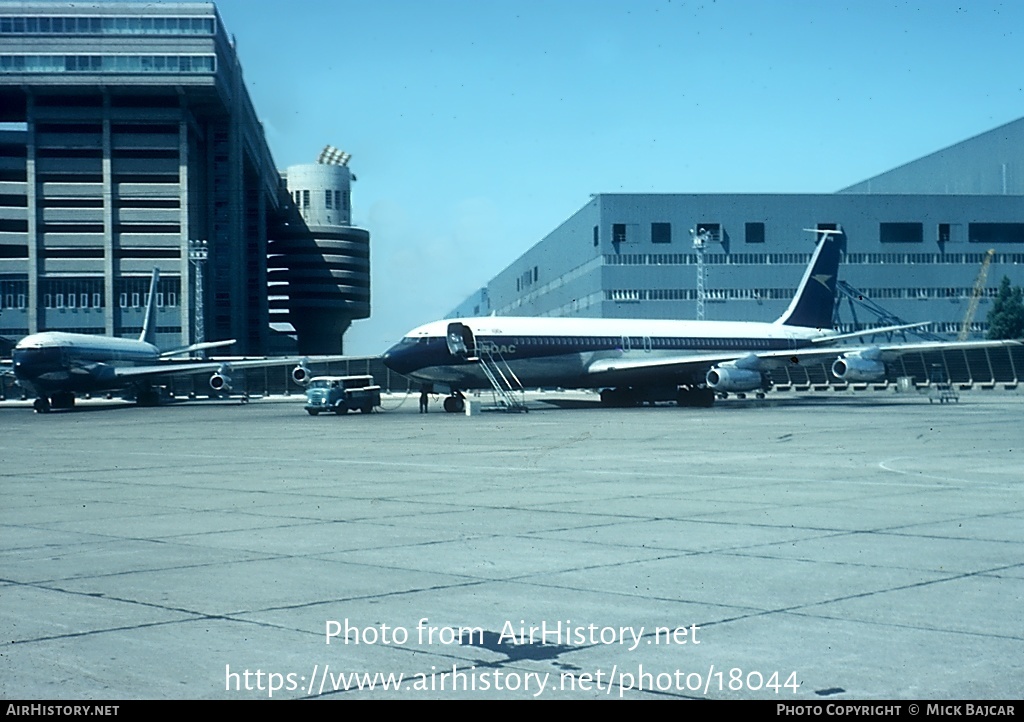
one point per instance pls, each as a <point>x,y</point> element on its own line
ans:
<point>619,398</point>
<point>41,405</point>
<point>696,397</point>
<point>148,397</point>
<point>62,400</point>
<point>454,404</point>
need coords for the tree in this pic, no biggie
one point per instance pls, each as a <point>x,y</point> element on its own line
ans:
<point>1006,319</point>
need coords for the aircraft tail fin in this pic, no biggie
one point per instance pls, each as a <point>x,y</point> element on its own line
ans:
<point>814,302</point>
<point>149,324</point>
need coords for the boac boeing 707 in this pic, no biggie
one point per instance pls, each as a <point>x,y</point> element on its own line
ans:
<point>634,360</point>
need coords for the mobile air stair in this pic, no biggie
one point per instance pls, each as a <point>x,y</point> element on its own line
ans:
<point>509,394</point>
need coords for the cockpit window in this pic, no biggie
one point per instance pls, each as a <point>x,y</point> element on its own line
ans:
<point>36,356</point>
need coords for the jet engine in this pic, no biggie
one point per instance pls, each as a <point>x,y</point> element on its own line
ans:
<point>730,378</point>
<point>221,381</point>
<point>859,366</point>
<point>301,374</point>
<point>743,374</point>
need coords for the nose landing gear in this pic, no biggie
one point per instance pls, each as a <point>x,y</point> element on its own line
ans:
<point>58,400</point>
<point>456,403</point>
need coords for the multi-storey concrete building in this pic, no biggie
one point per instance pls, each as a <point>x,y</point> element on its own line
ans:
<point>916,239</point>
<point>126,133</point>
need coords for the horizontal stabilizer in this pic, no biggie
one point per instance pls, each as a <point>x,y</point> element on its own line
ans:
<point>196,347</point>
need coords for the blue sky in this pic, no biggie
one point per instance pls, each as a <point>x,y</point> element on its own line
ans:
<point>476,128</point>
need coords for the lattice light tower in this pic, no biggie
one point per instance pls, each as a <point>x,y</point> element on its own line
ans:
<point>701,238</point>
<point>198,253</point>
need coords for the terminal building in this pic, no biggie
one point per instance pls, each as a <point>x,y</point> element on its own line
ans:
<point>126,134</point>
<point>917,238</point>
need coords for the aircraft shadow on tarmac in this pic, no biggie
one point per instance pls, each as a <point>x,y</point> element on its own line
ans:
<point>772,401</point>
<point>493,642</point>
<point>120,405</point>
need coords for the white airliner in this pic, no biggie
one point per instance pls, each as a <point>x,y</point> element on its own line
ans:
<point>633,360</point>
<point>55,366</point>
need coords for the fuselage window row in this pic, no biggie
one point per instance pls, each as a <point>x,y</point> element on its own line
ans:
<point>510,344</point>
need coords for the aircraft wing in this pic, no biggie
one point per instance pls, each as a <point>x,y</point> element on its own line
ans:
<point>889,353</point>
<point>185,368</point>
<point>691,368</point>
<point>666,369</point>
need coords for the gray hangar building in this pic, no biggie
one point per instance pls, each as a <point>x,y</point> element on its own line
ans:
<point>917,238</point>
<point>128,142</point>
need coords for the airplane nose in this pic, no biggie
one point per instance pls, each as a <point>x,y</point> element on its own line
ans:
<point>397,361</point>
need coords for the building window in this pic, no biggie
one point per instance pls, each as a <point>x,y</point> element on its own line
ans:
<point>901,232</point>
<point>755,233</point>
<point>995,232</point>
<point>108,25</point>
<point>661,233</point>
<point>618,233</point>
<point>596,236</point>
<point>108,63</point>
<point>305,199</point>
<point>328,197</point>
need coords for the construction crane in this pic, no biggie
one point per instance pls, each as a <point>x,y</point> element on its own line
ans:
<point>979,288</point>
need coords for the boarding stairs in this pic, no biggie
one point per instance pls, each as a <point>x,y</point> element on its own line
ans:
<point>507,388</point>
<point>506,385</point>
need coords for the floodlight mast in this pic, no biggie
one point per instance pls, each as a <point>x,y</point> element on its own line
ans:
<point>197,254</point>
<point>701,238</point>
